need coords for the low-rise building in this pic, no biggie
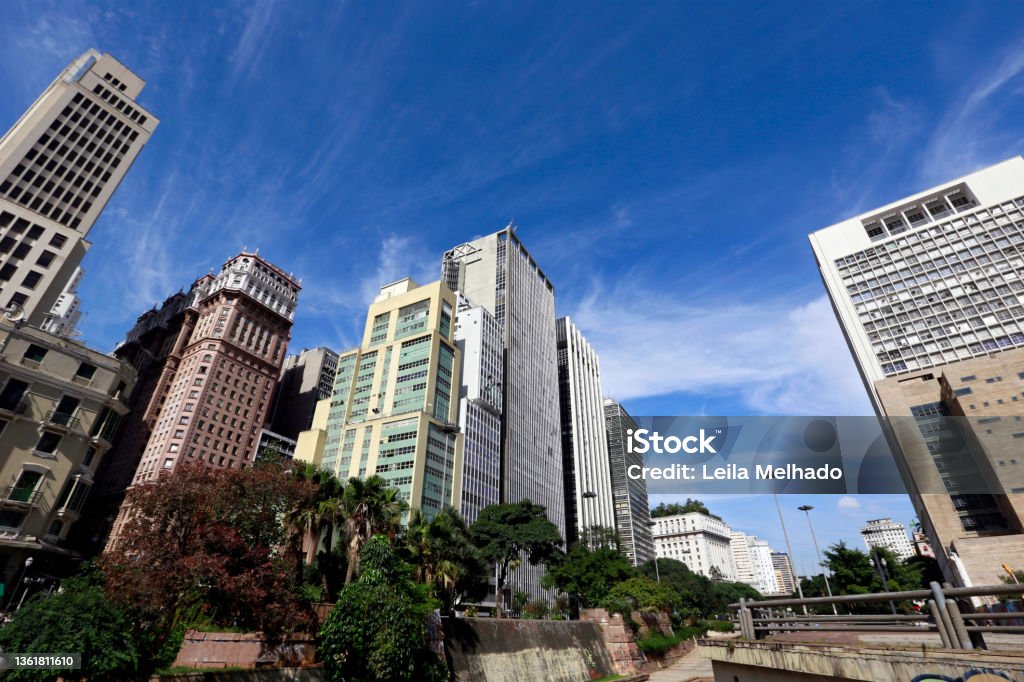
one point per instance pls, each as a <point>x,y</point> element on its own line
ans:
<point>700,541</point>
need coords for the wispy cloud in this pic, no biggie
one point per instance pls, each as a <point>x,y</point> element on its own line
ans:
<point>254,39</point>
<point>777,357</point>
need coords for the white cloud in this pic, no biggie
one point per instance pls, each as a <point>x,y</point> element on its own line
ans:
<point>848,503</point>
<point>780,357</point>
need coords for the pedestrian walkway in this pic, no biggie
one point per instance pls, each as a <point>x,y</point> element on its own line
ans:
<point>689,668</point>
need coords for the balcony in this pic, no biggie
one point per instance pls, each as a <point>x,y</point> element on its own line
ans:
<point>20,407</point>
<point>19,496</point>
<point>62,419</point>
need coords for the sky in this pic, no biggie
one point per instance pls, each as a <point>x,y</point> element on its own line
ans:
<point>664,161</point>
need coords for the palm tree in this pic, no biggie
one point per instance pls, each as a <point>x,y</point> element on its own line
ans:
<point>445,557</point>
<point>369,507</point>
<point>319,516</point>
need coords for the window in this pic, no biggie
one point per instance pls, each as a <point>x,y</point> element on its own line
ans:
<point>7,271</point>
<point>48,443</point>
<point>57,241</point>
<point>34,353</point>
<point>85,372</point>
<point>45,259</point>
<point>12,394</point>
<point>90,454</point>
<point>24,490</point>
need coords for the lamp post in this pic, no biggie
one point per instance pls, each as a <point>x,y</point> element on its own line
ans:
<point>881,565</point>
<point>789,547</point>
<point>24,572</point>
<point>806,509</point>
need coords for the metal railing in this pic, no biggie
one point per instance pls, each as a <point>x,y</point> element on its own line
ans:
<point>949,612</point>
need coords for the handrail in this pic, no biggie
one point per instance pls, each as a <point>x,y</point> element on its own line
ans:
<point>874,597</point>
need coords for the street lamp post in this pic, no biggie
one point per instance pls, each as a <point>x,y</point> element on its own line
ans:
<point>789,547</point>
<point>806,509</point>
<point>881,566</point>
<point>21,583</point>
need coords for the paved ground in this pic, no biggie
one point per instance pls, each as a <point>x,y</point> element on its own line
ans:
<point>689,668</point>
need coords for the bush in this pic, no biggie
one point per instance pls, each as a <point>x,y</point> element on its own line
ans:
<point>658,644</point>
<point>720,625</point>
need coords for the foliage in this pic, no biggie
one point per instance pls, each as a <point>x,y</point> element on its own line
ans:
<point>638,594</point>
<point>724,593</point>
<point>687,507</point>
<point>378,627</point>
<point>520,600</point>
<point>856,572</point>
<point>504,532</point>
<point>691,591</point>
<point>445,557</point>
<point>536,610</point>
<point>657,644</point>
<point>589,574</point>
<point>77,618</point>
<point>316,522</point>
<point>208,541</point>
<point>369,506</point>
<point>719,625</point>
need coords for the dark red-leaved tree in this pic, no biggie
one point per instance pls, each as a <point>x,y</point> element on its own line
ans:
<point>209,545</point>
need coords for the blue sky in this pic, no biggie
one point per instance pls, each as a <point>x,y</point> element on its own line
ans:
<point>665,162</point>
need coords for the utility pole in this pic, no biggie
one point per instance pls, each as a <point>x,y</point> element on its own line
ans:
<point>806,509</point>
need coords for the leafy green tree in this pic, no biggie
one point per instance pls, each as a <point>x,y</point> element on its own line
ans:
<point>724,593</point>
<point>519,601</point>
<point>504,532</point>
<point>692,592</point>
<point>638,594</point>
<point>674,508</point>
<point>445,557</point>
<point>77,618</point>
<point>856,572</point>
<point>589,571</point>
<point>378,628</point>
<point>369,507</point>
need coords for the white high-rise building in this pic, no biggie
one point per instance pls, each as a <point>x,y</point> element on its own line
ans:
<point>929,292</point>
<point>59,165</point>
<point>629,495</point>
<point>888,534</point>
<point>479,338</point>
<point>753,559</point>
<point>588,483</point>
<point>700,541</point>
<point>497,273</point>
<point>785,576</point>
<point>66,312</point>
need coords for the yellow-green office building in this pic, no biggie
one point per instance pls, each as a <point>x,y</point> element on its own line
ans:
<point>394,409</point>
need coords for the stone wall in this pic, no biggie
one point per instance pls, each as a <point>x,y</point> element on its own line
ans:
<point>506,650</point>
<point>618,636</point>
<point>239,650</point>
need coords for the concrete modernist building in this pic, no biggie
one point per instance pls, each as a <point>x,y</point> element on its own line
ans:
<point>785,576</point>
<point>700,541</point>
<point>629,495</point>
<point>498,273</point>
<point>753,560</point>
<point>588,483</point>
<point>214,389</point>
<point>929,293</point>
<point>60,404</point>
<point>274,444</point>
<point>888,534</point>
<point>394,411</point>
<point>307,378</point>
<point>59,166</point>
<point>479,340</point>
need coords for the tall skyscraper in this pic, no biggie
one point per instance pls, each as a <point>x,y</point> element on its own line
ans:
<point>785,576</point>
<point>629,495</point>
<point>498,273</point>
<point>588,482</point>
<point>753,560</point>
<point>888,534</point>
<point>479,339</point>
<point>59,165</point>
<point>306,379</point>
<point>930,295</point>
<point>394,409</point>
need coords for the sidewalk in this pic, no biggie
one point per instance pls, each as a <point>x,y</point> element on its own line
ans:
<point>689,668</point>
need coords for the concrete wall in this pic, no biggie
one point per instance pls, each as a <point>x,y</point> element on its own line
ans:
<point>238,650</point>
<point>505,650</point>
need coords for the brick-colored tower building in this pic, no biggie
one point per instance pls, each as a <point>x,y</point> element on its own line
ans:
<point>216,385</point>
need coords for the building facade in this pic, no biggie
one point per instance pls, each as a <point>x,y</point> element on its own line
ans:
<point>785,576</point>
<point>60,405</point>
<point>753,560</point>
<point>480,343</point>
<point>629,495</point>
<point>928,292</point>
<point>394,409</point>
<point>888,534</point>
<point>307,378</point>
<point>585,466</point>
<point>59,165</point>
<point>498,273</point>
<point>700,541</point>
<point>63,317</point>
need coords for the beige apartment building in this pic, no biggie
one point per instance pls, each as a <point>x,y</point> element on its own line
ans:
<point>60,404</point>
<point>394,410</point>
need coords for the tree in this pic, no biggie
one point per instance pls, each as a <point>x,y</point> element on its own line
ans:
<point>692,592</point>
<point>77,618</point>
<point>589,571</point>
<point>638,594</point>
<point>211,542</point>
<point>445,558</point>
<point>857,572</point>
<point>369,507</point>
<point>504,532</point>
<point>377,630</point>
<point>674,508</point>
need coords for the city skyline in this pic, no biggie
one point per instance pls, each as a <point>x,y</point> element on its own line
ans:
<point>145,221</point>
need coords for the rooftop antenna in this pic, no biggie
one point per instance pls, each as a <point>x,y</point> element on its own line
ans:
<point>512,225</point>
